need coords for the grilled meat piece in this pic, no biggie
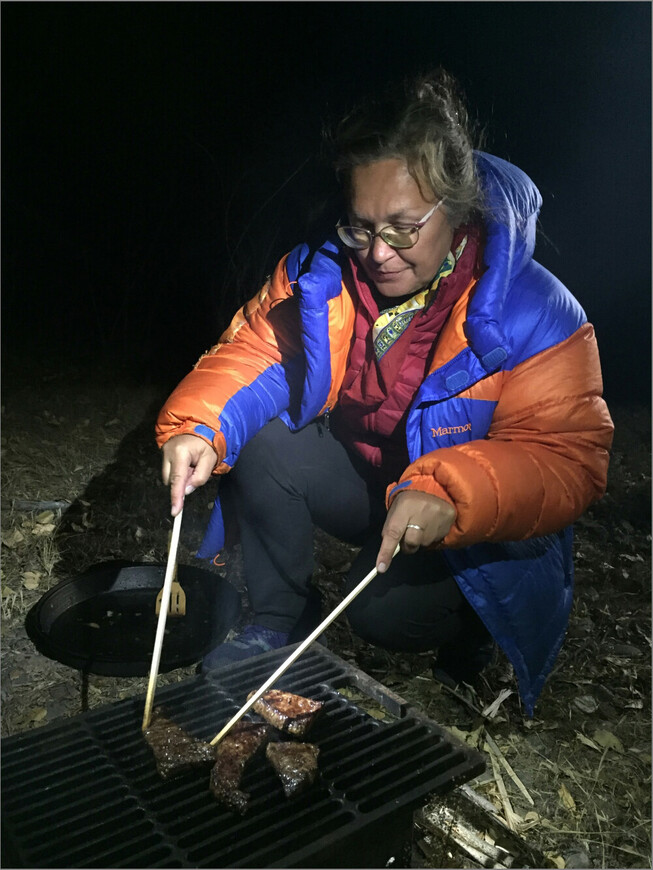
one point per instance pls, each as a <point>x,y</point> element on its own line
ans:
<point>236,749</point>
<point>295,765</point>
<point>287,712</point>
<point>175,751</point>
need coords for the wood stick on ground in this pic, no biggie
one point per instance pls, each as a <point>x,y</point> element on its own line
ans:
<point>492,709</point>
<point>511,817</point>
<point>448,824</point>
<point>511,773</point>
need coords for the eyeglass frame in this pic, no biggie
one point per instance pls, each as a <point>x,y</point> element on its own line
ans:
<point>415,226</point>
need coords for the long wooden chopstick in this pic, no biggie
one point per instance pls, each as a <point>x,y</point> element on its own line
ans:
<point>295,654</point>
<point>163,613</point>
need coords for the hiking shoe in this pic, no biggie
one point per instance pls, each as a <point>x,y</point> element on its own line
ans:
<point>458,664</point>
<point>252,641</point>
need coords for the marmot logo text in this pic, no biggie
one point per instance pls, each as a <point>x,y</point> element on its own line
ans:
<point>450,430</point>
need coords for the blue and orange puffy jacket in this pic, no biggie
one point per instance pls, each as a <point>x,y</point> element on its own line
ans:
<point>509,425</point>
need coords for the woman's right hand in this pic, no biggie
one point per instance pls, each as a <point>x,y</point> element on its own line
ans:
<point>187,463</point>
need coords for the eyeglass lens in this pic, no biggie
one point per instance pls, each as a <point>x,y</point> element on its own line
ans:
<point>357,237</point>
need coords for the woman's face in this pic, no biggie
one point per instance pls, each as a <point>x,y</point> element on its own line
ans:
<point>385,193</point>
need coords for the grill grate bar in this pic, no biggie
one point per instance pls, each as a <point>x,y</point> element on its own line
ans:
<point>38,795</point>
<point>359,764</point>
<point>78,811</point>
<point>35,755</point>
<point>260,851</point>
<point>122,833</point>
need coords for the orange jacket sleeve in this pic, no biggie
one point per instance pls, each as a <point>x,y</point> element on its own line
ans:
<point>264,332</point>
<point>545,457</point>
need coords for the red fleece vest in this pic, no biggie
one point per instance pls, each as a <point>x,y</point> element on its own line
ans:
<point>376,394</point>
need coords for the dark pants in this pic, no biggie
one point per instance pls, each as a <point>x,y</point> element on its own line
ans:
<point>285,482</point>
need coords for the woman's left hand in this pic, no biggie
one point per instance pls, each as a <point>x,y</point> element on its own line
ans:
<point>416,519</point>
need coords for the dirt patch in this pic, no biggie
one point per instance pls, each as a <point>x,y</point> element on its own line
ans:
<point>80,485</point>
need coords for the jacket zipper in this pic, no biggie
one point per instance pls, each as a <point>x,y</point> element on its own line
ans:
<point>325,421</point>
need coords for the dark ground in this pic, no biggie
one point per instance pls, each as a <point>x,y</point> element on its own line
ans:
<point>584,760</point>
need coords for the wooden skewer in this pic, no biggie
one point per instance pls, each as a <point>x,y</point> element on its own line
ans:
<point>295,654</point>
<point>163,613</point>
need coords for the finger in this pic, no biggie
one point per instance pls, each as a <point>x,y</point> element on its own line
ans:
<point>413,538</point>
<point>176,501</point>
<point>178,485</point>
<point>202,471</point>
<point>165,471</point>
<point>386,550</point>
<point>409,547</point>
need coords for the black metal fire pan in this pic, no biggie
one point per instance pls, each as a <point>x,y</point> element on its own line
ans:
<point>85,792</point>
<point>104,620</point>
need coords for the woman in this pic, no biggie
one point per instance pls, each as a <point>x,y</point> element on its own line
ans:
<point>417,379</point>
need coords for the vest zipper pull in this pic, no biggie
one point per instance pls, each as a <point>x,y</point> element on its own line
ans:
<point>327,422</point>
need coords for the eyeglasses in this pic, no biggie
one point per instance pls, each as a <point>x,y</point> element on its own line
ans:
<point>396,237</point>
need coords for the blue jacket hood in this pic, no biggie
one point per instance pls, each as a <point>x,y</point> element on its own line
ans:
<point>512,205</point>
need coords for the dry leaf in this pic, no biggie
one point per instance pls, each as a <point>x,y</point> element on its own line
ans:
<point>587,741</point>
<point>587,703</point>
<point>37,714</point>
<point>31,579</point>
<point>643,754</point>
<point>374,713</point>
<point>13,539</point>
<point>471,738</point>
<point>44,517</point>
<point>557,860</point>
<point>45,529</point>
<point>566,799</point>
<point>7,592</point>
<point>624,664</point>
<point>608,740</point>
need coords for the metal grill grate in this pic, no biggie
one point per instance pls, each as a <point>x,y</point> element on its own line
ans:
<point>85,793</point>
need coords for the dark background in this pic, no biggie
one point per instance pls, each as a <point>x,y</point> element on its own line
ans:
<point>158,158</point>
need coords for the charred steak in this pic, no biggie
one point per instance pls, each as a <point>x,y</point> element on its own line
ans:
<point>243,743</point>
<point>287,712</point>
<point>295,765</point>
<point>176,751</point>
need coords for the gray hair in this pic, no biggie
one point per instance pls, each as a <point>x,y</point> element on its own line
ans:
<point>424,122</point>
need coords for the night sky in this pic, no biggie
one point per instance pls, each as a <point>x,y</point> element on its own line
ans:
<point>158,158</point>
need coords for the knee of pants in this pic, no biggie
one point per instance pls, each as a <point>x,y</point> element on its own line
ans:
<point>374,624</point>
<point>398,620</point>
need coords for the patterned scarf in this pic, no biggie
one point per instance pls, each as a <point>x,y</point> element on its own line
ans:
<point>392,322</point>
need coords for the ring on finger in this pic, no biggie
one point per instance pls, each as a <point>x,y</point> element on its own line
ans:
<point>413,526</point>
